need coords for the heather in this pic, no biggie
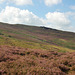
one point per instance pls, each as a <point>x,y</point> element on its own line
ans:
<point>24,34</point>
<point>21,61</point>
<point>30,50</point>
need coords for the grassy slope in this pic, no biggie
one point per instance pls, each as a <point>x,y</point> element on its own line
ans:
<point>36,37</point>
<point>30,50</point>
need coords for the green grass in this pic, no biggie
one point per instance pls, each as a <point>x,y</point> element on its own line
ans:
<point>36,38</point>
<point>65,43</point>
<point>32,45</point>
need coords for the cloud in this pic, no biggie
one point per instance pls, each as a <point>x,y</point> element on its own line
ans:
<point>71,29</point>
<point>52,2</point>
<point>1,1</point>
<point>18,2</point>
<point>22,2</point>
<point>15,15</point>
<point>57,20</point>
<point>72,7</point>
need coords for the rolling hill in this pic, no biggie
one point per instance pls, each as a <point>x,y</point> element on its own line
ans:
<point>32,50</point>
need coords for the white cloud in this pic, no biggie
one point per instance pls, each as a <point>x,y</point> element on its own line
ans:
<point>18,2</point>
<point>70,28</point>
<point>72,7</point>
<point>57,20</point>
<point>15,15</point>
<point>22,2</point>
<point>52,2</point>
<point>1,1</point>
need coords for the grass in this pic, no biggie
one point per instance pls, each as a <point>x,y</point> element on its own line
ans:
<point>32,45</point>
<point>36,37</point>
<point>29,50</point>
<point>65,43</point>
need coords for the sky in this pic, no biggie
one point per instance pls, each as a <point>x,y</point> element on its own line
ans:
<point>57,14</point>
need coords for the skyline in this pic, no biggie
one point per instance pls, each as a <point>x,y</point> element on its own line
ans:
<point>57,14</point>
